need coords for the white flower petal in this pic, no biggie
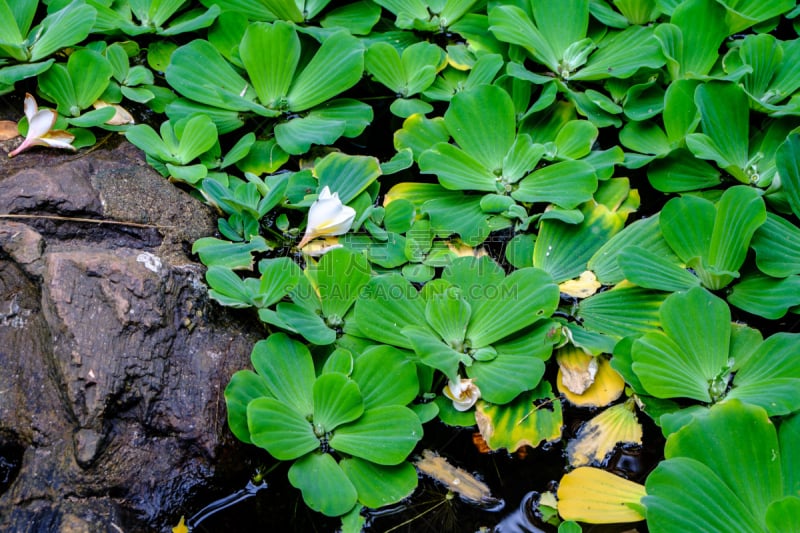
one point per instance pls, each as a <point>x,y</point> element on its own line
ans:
<point>30,106</point>
<point>464,394</point>
<point>327,216</point>
<point>58,139</point>
<point>40,123</point>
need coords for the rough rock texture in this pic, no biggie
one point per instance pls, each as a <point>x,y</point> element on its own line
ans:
<point>112,359</point>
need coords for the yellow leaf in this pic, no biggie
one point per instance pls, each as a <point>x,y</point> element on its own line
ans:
<point>599,436</point>
<point>608,386</point>
<point>181,527</point>
<point>583,287</point>
<point>598,497</point>
<point>577,369</point>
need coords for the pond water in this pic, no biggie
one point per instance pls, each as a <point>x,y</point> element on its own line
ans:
<point>516,479</point>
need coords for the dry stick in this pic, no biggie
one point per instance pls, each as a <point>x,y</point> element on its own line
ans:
<point>89,220</point>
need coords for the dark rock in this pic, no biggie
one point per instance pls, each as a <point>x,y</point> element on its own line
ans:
<point>114,360</point>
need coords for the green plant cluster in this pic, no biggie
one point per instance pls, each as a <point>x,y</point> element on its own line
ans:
<point>474,157</point>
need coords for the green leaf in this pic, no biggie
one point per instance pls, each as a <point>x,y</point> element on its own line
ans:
<point>232,255</point>
<point>787,159</point>
<point>297,135</point>
<point>645,137</point>
<point>288,370</point>
<point>692,351</point>
<point>63,28</point>
<point>197,135</point>
<point>356,115</point>
<point>186,23</point>
<point>386,377</point>
<point>752,443</point>
<point>349,175</point>
<point>457,170</point>
<point>217,84</point>
<point>389,304</point>
<point>644,233</point>
<point>270,54</point>
<point>325,487</point>
<point>770,376</point>
<point>687,223</point>
<point>278,277</point>
<point>521,298</point>
<point>777,247</point>
<point>306,322</point>
<point>564,250</point>
<point>680,111</point>
<point>511,24</point>
<point>713,506</point>
<point>784,515</point>
<point>358,18</point>
<point>228,288</point>
<point>745,13</point>
<point>384,435</point>
<point>575,139</point>
<point>507,375</point>
<point>765,296</point>
<point>337,400</point>
<point>243,387</point>
<point>340,275</point>
<point>614,57</point>
<point>337,66</point>
<point>724,119</point>
<point>379,485</point>
<point>567,184</point>
<point>399,216</point>
<point>280,429</point>
<point>681,171</point>
<point>692,40</point>
<point>609,312</point>
<point>740,212</point>
<point>651,271</point>
<point>482,121</point>
<point>788,433</point>
<point>433,352</point>
<point>448,314</point>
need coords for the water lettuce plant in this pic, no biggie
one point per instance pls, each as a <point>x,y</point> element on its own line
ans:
<point>422,201</point>
<point>347,429</point>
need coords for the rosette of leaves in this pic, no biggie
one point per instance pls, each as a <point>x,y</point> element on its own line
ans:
<point>287,80</point>
<point>729,469</point>
<point>172,150</point>
<point>490,156</point>
<point>700,355</point>
<point>162,17</point>
<point>27,46</point>
<point>714,246</point>
<point>322,298</point>
<point>405,72</point>
<point>556,36</point>
<point>454,323</point>
<point>424,15</point>
<point>78,84</point>
<point>347,428</point>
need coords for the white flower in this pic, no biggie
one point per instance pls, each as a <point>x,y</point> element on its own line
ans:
<point>40,132</point>
<point>327,216</point>
<point>464,394</point>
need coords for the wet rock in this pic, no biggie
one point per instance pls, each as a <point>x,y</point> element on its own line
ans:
<point>114,360</point>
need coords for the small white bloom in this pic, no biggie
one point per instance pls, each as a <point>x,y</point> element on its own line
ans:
<point>464,394</point>
<point>327,216</point>
<point>40,132</point>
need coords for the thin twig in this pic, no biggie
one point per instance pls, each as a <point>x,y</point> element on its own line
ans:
<point>89,220</point>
